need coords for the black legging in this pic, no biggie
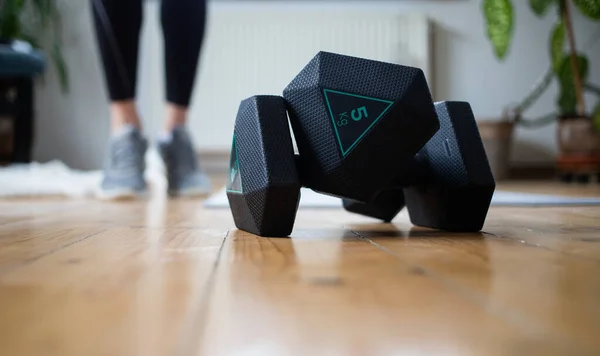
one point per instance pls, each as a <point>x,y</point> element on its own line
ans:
<point>118,23</point>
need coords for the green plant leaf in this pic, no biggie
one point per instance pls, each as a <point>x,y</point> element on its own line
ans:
<point>539,7</point>
<point>44,11</point>
<point>10,18</point>
<point>61,67</point>
<point>590,8</point>
<point>557,45</point>
<point>596,117</point>
<point>567,98</point>
<point>29,38</point>
<point>567,102</point>
<point>499,17</point>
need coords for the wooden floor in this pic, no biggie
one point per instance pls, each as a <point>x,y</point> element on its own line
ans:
<point>167,277</point>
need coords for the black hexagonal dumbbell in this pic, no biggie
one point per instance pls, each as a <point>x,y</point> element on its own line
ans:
<point>263,187</point>
<point>448,185</point>
<point>354,119</point>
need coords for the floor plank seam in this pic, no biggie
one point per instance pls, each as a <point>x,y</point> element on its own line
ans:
<point>198,315</point>
<point>529,244</point>
<point>499,311</point>
<point>5,223</point>
<point>33,259</point>
<point>165,227</point>
<point>42,216</point>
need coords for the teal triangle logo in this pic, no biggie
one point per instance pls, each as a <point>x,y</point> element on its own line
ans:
<point>353,116</point>
<point>234,180</point>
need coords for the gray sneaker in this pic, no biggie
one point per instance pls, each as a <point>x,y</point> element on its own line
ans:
<point>124,166</point>
<point>184,175</point>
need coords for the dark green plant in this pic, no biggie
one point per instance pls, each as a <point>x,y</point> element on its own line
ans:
<point>39,23</point>
<point>568,66</point>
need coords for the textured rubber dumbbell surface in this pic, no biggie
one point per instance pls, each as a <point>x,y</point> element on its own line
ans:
<point>458,189</point>
<point>385,206</point>
<point>263,188</point>
<point>354,119</point>
<point>390,201</point>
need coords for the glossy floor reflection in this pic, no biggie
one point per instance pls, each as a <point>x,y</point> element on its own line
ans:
<point>165,277</point>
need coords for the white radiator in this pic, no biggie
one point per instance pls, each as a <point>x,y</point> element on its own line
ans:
<point>250,48</point>
<point>258,49</point>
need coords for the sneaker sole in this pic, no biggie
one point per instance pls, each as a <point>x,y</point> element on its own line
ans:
<point>190,193</point>
<point>120,194</point>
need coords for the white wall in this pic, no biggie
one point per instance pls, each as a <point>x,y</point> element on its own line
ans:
<point>256,50</point>
<point>74,128</point>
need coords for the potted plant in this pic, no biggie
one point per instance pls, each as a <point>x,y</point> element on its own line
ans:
<point>578,128</point>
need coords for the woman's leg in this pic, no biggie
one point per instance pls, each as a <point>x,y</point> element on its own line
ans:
<point>183,23</point>
<point>117,25</point>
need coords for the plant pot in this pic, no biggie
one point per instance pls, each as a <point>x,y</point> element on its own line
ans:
<point>497,141</point>
<point>579,148</point>
<point>577,136</point>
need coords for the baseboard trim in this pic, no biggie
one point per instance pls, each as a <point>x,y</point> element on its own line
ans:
<point>214,161</point>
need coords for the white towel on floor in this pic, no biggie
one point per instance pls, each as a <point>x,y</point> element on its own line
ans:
<point>55,178</point>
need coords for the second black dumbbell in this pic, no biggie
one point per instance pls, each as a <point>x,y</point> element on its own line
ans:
<point>448,185</point>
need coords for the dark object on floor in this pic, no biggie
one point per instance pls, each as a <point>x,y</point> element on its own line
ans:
<point>263,186</point>
<point>448,185</point>
<point>17,69</point>
<point>361,127</point>
<point>16,120</point>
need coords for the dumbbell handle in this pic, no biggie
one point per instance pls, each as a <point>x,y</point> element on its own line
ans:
<point>413,172</point>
